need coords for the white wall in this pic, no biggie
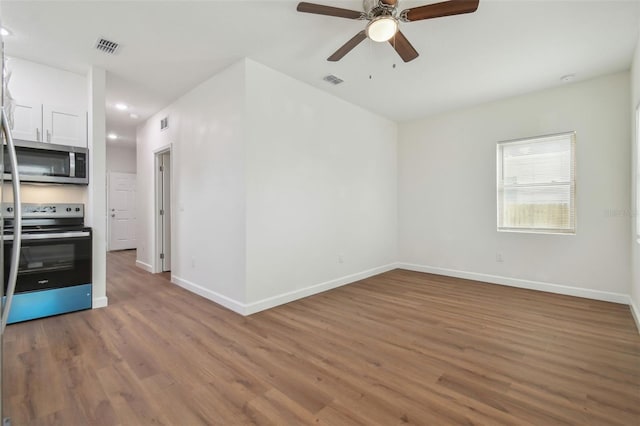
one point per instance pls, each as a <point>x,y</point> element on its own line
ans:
<point>281,190</point>
<point>96,209</point>
<point>121,159</point>
<point>321,183</point>
<point>148,139</point>
<point>635,175</point>
<point>206,131</point>
<point>266,195</point>
<point>447,192</point>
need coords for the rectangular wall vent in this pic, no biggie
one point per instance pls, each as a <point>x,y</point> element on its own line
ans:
<point>107,46</point>
<point>164,123</point>
<point>332,79</point>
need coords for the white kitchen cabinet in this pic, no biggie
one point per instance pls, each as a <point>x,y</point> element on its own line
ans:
<point>51,124</point>
<point>27,121</point>
<point>64,126</point>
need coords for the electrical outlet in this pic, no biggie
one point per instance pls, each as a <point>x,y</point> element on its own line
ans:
<point>499,257</point>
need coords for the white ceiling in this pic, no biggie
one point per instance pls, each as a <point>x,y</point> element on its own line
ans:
<point>167,47</point>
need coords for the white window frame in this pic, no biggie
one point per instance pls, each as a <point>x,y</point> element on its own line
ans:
<point>637,170</point>
<point>571,230</point>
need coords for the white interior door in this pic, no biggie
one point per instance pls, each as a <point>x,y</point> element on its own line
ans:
<point>122,211</point>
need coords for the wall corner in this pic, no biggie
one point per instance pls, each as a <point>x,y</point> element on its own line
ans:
<point>96,200</point>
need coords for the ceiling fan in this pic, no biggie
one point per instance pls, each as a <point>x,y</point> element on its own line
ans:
<point>384,19</point>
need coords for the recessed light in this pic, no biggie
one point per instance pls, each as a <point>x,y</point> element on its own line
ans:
<point>122,107</point>
<point>112,136</point>
<point>5,32</point>
<point>567,78</point>
<point>134,116</point>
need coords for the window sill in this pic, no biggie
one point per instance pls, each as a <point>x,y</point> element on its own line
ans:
<point>542,231</point>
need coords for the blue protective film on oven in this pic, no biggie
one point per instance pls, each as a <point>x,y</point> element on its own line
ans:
<point>44,303</point>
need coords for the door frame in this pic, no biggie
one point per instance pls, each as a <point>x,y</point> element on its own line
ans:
<point>157,153</point>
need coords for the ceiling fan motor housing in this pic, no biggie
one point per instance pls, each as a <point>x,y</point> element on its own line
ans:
<point>376,8</point>
<point>368,5</point>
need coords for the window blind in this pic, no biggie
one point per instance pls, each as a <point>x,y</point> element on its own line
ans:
<point>536,184</point>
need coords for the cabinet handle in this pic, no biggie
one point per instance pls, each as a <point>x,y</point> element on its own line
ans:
<point>38,135</point>
<point>48,136</point>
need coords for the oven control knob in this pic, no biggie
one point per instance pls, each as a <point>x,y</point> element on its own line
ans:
<point>77,209</point>
<point>9,209</point>
<point>68,209</point>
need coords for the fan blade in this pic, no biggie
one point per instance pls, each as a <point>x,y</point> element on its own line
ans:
<point>403,47</point>
<point>328,10</point>
<point>348,46</point>
<point>437,10</point>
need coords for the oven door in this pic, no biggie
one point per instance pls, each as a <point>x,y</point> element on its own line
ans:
<point>52,260</point>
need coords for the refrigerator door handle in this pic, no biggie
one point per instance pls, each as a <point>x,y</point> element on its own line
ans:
<point>17,220</point>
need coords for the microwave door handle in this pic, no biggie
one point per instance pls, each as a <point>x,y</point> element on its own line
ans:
<point>72,164</point>
<point>17,219</point>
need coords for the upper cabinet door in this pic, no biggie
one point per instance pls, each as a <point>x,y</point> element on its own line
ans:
<point>27,121</point>
<point>65,126</point>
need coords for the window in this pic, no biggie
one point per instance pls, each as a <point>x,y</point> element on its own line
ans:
<point>536,184</point>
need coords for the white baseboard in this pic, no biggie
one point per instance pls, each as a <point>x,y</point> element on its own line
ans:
<point>270,302</point>
<point>218,298</point>
<point>100,302</point>
<point>144,266</point>
<point>290,296</point>
<point>520,283</point>
<point>635,312</point>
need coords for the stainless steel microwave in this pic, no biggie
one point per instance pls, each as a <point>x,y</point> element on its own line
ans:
<point>49,163</point>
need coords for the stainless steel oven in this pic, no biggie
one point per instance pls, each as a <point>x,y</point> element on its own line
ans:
<point>54,272</point>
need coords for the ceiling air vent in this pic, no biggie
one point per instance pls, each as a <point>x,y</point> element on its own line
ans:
<point>107,46</point>
<point>164,123</point>
<point>333,79</point>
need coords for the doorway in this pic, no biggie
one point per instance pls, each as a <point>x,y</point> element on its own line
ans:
<point>162,262</point>
<point>122,211</point>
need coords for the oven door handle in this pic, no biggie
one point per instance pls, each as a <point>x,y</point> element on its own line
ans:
<point>17,219</point>
<point>70,234</point>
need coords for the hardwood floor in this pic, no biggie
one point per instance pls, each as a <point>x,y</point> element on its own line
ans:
<point>398,348</point>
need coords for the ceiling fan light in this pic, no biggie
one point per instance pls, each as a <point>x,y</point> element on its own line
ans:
<point>382,28</point>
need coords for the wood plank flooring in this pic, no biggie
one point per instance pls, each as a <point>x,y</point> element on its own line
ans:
<point>398,348</point>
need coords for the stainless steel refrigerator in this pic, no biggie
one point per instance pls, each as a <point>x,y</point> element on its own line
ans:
<point>8,150</point>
